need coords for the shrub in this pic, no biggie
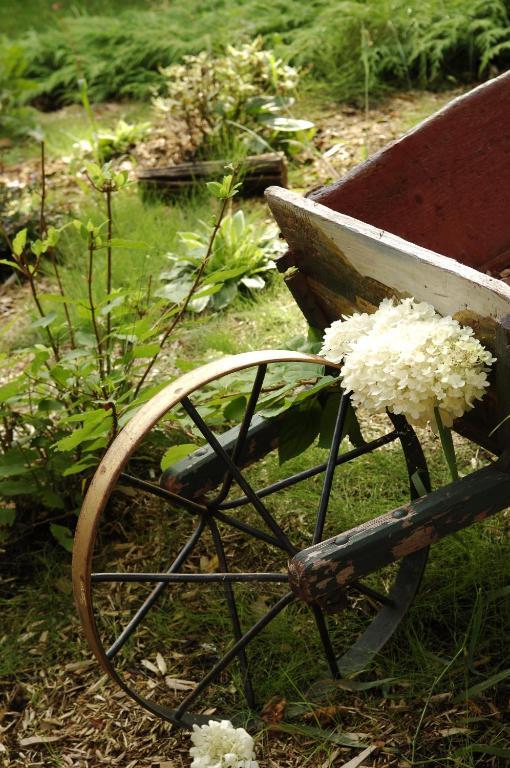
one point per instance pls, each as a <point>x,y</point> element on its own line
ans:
<point>355,45</point>
<point>106,145</point>
<point>16,118</point>
<point>87,370</point>
<point>406,43</point>
<point>245,92</point>
<point>241,254</point>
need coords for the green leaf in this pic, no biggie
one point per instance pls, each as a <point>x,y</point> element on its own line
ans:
<point>7,516</point>
<point>215,189</point>
<point>63,535</point>
<point>489,682</point>
<point>299,430</point>
<point>89,431</point>
<point>52,236</point>
<point>117,242</point>
<point>14,470</point>
<point>323,688</point>
<point>49,405</point>
<point>321,734</point>
<point>145,350</point>
<point>11,264</point>
<point>254,283</point>
<point>10,488</point>
<point>19,242</point>
<point>483,749</point>
<point>111,305</point>
<point>51,499</point>
<point>12,388</point>
<point>445,435</point>
<point>234,411</point>
<point>176,453</point>
<point>57,298</point>
<point>38,247</point>
<point>499,593</point>
<point>44,322</point>
<point>324,382</point>
<point>80,466</point>
<point>287,124</point>
<point>327,423</point>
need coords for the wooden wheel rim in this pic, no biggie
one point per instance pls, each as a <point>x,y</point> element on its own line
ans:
<point>107,474</point>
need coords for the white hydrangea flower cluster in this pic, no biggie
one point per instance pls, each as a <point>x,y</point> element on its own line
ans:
<point>407,358</point>
<point>220,745</point>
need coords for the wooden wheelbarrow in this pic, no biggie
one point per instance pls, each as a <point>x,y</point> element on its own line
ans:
<point>227,551</point>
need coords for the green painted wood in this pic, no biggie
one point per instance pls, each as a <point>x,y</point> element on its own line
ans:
<point>203,470</point>
<point>318,572</point>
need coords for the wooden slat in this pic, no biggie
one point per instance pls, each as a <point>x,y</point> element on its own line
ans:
<point>320,571</point>
<point>350,262</point>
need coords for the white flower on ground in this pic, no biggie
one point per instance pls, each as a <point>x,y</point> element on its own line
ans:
<point>220,745</point>
<point>407,358</point>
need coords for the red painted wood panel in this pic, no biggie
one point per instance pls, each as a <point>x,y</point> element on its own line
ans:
<point>445,185</point>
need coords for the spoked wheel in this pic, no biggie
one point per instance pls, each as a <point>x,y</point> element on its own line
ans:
<point>182,585</point>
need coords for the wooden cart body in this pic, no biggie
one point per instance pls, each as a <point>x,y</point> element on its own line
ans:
<point>428,217</point>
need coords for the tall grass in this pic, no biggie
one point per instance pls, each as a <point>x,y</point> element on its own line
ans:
<point>399,42</point>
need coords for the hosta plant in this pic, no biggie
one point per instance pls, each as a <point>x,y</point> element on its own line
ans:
<point>241,257</point>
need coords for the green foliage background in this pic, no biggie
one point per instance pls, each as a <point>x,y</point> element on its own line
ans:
<point>348,46</point>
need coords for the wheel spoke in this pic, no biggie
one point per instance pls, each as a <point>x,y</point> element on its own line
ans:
<point>188,504</point>
<point>156,592</point>
<point>234,615</point>
<point>330,468</point>
<point>186,578</point>
<point>243,432</point>
<point>307,473</point>
<point>326,641</point>
<point>238,476</point>
<point>249,529</point>
<point>234,651</point>
<point>358,586</point>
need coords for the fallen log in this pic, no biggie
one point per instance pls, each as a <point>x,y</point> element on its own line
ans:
<point>258,173</point>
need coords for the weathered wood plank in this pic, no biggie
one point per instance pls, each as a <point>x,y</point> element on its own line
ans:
<point>258,173</point>
<point>350,266</point>
<point>346,257</point>
<point>318,572</point>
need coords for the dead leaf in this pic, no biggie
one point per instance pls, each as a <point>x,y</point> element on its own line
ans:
<point>331,759</point>
<point>274,710</point>
<point>180,685</point>
<point>30,740</point>
<point>209,564</point>
<point>150,666</point>
<point>97,685</point>
<point>161,663</point>
<point>79,666</point>
<point>359,759</point>
<point>324,714</point>
<point>453,731</point>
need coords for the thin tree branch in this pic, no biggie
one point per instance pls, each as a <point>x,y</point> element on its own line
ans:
<point>192,291</point>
